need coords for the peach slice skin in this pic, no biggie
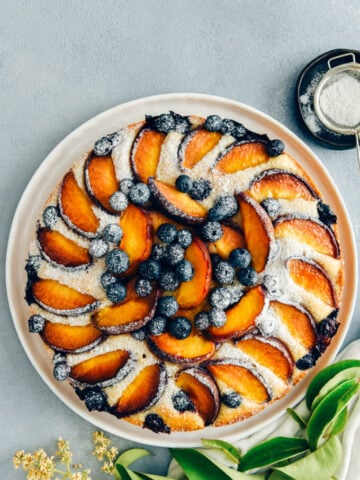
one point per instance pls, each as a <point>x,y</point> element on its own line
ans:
<point>192,293</point>
<point>241,380</point>
<point>61,250</point>
<point>299,323</point>
<point>100,368</point>
<point>241,156</point>
<point>196,145</point>
<point>75,207</point>
<point>146,153</point>
<point>100,180</point>
<point>308,231</point>
<point>142,392</point>
<point>61,299</point>
<point>312,278</point>
<point>71,338</point>
<point>240,319</point>
<point>177,204</point>
<point>202,390</point>
<point>258,230</point>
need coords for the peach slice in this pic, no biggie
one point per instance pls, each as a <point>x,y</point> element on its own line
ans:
<point>55,297</point>
<point>202,391</point>
<point>177,204</point>
<point>71,338</point>
<point>231,239</point>
<point>100,180</point>
<point>137,239</point>
<point>305,230</point>
<point>270,353</point>
<point>58,249</point>
<point>193,349</point>
<point>192,293</point>
<point>240,319</point>
<point>298,322</point>
<point>76,208</point>
<point>127,316</point>
<point>279,184</point>
<point>238,376</point>
<point>258,230</point>
<point>143,392</point>
<point>146,153</point>
<point>242,155</point>
<point>312,278</point>
<point>103,370</point>
<point>196,145</point>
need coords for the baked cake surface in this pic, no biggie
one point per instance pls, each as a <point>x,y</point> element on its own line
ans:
<point>185,272</point>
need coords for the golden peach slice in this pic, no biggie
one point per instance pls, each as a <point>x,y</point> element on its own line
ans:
<point>195,145</point>
<point>146,153</point>
<point>232,238</point>
<point>100,180</point>
<point>242,155</point>
<point>71,338</point>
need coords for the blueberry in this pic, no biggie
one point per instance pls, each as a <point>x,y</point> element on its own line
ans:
<point>155,423</point>
<point>217,317</point>
<point>215,259</point>
<point>180,327</point>
<point>167,232</point>
<point>228,126</point>
<point>98,248</point>
<point>182,124</point>
<point>150,269</point>
<point>239,131</point>
<point>184,238</point>
<point>272,206</point>
<point>224,273</point>
<point>125,185</point>
<point>220,297</point>
<point>33,263</point>
<point>118,201</point>
<point>201,189</point>
<point>236,293</point>
<point>103,146</point>
<point>59,357</point>
<point>113,233</point>
<point>36,323</point>
<point>158,251</point>
<point>50,216</point>
<point>326,215</point>
<point>182,402</point>
<point>114,138</point>
<point>240,258</point>
<point>61,371</point>
<point>211,231</point>
<point>227,205</point>
<point>274,148</point>
<point>231,399</point>
<point>202,320</point>
<point>305,362</point>
<point>328,327</point>
<point>165,123</point>
<point>247,276</point>
<point>215,215</point>
<point>157,325</point>
<point>168,281</point>
<point>107,279</point>
<point>139,194</point>
<point>175,253</point>
<point>213,123</point>
<point>95,399</point>
<point>117,261</point>
<point>116,292</point>
<point>167,306</point>
<point>143,287</point>
<point>184,183</point>
<point>140,334</point>
<point>184,271</point>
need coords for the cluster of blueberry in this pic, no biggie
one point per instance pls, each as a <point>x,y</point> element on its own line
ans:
<point>136,193</point>
<point>168,122</point>
<point>197,189</point>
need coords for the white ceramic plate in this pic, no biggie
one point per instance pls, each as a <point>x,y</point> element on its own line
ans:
<point>56,165</point>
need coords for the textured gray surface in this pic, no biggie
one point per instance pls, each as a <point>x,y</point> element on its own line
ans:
<point>63,62</point>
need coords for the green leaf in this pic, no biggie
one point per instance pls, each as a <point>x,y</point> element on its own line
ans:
<point>276,475</point>
<point>126,474</point>
<point>328,409</point>
<point>230,450</point>
<point>130,456</point>
<point>324,376</point>
<point>299,420</point>
<point>319,465</point>
<point>339,424</point>
<point>272,451</point>
<point>152,476</point>
<point>197,466</point>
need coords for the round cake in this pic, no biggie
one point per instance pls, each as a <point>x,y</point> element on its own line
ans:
<point>185,272</point>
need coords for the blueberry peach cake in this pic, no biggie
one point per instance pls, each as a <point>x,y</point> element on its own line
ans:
<point>185,272</point>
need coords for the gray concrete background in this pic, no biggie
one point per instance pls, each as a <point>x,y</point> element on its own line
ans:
<point>62,62</point>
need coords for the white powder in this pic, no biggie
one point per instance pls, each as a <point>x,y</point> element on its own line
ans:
<point>340,100</point>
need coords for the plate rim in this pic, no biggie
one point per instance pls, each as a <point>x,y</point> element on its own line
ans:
<point>193,438</point>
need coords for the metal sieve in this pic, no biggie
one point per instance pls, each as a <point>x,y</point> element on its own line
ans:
<point>352,69</point>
